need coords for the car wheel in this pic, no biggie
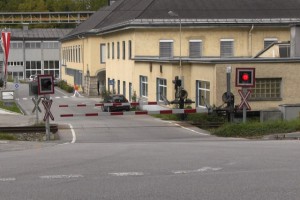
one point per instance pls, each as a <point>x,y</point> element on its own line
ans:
<point>104,108</point>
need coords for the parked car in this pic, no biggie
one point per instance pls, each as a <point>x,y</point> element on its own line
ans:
<point>116,98</point>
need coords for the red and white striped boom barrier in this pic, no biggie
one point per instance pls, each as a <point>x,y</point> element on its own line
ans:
<point>110,104</point>
<point>173,111</point>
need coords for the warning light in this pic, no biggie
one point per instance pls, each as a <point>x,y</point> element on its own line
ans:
<point>245,77</point>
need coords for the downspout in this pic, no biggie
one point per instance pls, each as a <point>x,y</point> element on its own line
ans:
<point>250,41</point>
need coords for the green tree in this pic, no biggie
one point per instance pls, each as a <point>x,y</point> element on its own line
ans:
<point>32,5</point>
<point>10,5</point>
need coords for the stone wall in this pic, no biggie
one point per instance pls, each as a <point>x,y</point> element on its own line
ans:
<point>90,88</point>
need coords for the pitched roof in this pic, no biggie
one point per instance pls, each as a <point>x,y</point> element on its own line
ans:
<point>36,34</point>
<point>155,12</point>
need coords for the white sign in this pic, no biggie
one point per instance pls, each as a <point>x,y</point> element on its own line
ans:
<point>7,95</point>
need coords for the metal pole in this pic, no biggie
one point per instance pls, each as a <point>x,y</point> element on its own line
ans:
<point>180,34</point>
<point>244,107</point>
<point>36,110</point>
<point>47,129</point>
<point>229,105</point>
<point>47,98</point>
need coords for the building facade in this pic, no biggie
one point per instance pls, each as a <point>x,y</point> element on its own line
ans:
<point>138,47</point>
<point>34,51</point>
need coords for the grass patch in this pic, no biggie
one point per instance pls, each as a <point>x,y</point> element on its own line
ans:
<point>12,108</point>
<point>193,118</point>
<point>172,117</point>
<point>256,129</point>
<point>4,136</point>
<point>251,129</point>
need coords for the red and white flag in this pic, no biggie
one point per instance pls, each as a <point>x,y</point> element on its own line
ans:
<point>5,40</point>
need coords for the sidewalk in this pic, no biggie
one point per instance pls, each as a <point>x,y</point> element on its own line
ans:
<point>14,119</point>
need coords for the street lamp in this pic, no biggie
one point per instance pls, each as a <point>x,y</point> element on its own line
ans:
<point>174,14</point>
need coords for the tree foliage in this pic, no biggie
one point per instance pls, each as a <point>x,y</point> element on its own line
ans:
<point>50,5</point>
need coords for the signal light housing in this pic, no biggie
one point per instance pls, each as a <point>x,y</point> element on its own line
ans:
<point>45,84</point>
<point>245,77</point>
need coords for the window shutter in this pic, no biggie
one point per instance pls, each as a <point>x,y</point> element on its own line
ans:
<point>226,48</point>
<point>195,49</point>
<point>269,41</point>
<point>166,49</point>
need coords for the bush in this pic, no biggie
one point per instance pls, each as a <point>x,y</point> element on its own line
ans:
<point>1,82</point>
<point>64,86</point>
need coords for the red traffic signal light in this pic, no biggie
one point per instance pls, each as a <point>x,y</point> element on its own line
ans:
<point>245,77</point>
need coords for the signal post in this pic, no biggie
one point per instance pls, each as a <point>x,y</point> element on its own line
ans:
<point>46,87</point>
<point>245,78</point>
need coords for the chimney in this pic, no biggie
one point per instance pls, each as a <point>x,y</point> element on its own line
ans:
<point>110,2</point>
<point>25,27</point>
<point>295,41</point>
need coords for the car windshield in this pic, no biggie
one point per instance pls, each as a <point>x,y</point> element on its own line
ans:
<point>119,99</point>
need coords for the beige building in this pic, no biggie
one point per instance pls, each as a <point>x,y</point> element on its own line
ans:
<point>139,46</point>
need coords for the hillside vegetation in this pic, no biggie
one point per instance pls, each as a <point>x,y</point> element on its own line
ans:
<point>50,5</point>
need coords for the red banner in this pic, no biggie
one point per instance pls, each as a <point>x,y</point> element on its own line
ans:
<point>5,45</point>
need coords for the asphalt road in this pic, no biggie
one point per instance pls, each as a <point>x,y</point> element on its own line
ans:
<point>139,157</point>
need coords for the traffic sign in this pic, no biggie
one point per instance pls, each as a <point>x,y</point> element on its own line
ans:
<point>244,97</point>
<point>17,85</point>
<point>36,104</point>
<point>47,105</point>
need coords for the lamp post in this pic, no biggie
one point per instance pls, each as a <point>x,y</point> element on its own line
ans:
<point>174,14</point>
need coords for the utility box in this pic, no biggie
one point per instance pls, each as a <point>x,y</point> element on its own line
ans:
<point>270,115</point>
<point>290,111</point>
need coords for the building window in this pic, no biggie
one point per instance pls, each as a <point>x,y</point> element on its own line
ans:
<point>161,89</point>
<point>129,49</point>
<point>203,93</point>
<point>266,89</point>
<point>269,41</point>
<point>79,54</point>
<point>226,48</point>
<point>144,86</point>
<point>284,50</point>
<point>102,53</point>
<point>195,48</point>
<point>32,45</point>
<point>123,50</point>
<point>166,48</point>
<point>108,50</point>
<point>119,85</point>
<point>50,45</point>
<point>118,50</point>
<point>130,91</point>
<point>124,88</point>
<point>113,50</point>
<point>16,45</point>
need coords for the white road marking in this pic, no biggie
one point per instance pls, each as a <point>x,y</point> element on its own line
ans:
<point>3,142</point>
<point>73,134</point>
<point>25,99</point>
<point>61,176</point>
<point>199,133</point>
<point>57,97</point>
<point>203,169</point>
<point>7,179</point>
<point>127,174</point>
<point>65,97</point>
